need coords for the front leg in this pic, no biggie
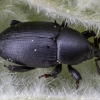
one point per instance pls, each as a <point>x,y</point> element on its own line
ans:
<point>87,34</point>
<point>97,66</point>
<point>54,73</point>
<point>75,74</point>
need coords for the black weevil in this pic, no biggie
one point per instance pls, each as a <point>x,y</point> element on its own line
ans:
<point>47,44</point>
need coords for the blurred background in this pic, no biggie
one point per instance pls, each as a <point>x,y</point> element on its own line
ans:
<point>80,15</point>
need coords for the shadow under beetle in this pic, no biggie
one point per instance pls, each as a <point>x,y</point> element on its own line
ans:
<point>47,44</point>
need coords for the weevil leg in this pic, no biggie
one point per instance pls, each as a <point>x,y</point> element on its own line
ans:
<point>54,73</point>
<point>15,68</point>
<point>87,34</point>
<point>98,41</point>
<point>14,22</point>
<point>55,21</point>
<point>98,69</point>
<point>64,24</point>
<point>75,74</point>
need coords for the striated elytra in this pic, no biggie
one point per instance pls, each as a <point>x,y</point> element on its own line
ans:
<point>47,44</point>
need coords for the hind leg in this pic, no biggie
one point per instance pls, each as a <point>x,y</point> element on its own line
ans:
<point>15,68</point>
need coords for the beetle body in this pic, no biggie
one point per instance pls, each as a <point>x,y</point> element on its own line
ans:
<point>40,44</point>
<point>44,44</point>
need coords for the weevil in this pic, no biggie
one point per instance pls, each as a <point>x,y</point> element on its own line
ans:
<point>41,44</point>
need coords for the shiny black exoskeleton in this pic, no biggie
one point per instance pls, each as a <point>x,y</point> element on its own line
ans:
<point>47,44</point>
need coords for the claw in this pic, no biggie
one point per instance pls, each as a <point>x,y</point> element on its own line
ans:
<point>9,67</point>
<point>45,75</point>
<point>54,73</point>
<point>77,85</point>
